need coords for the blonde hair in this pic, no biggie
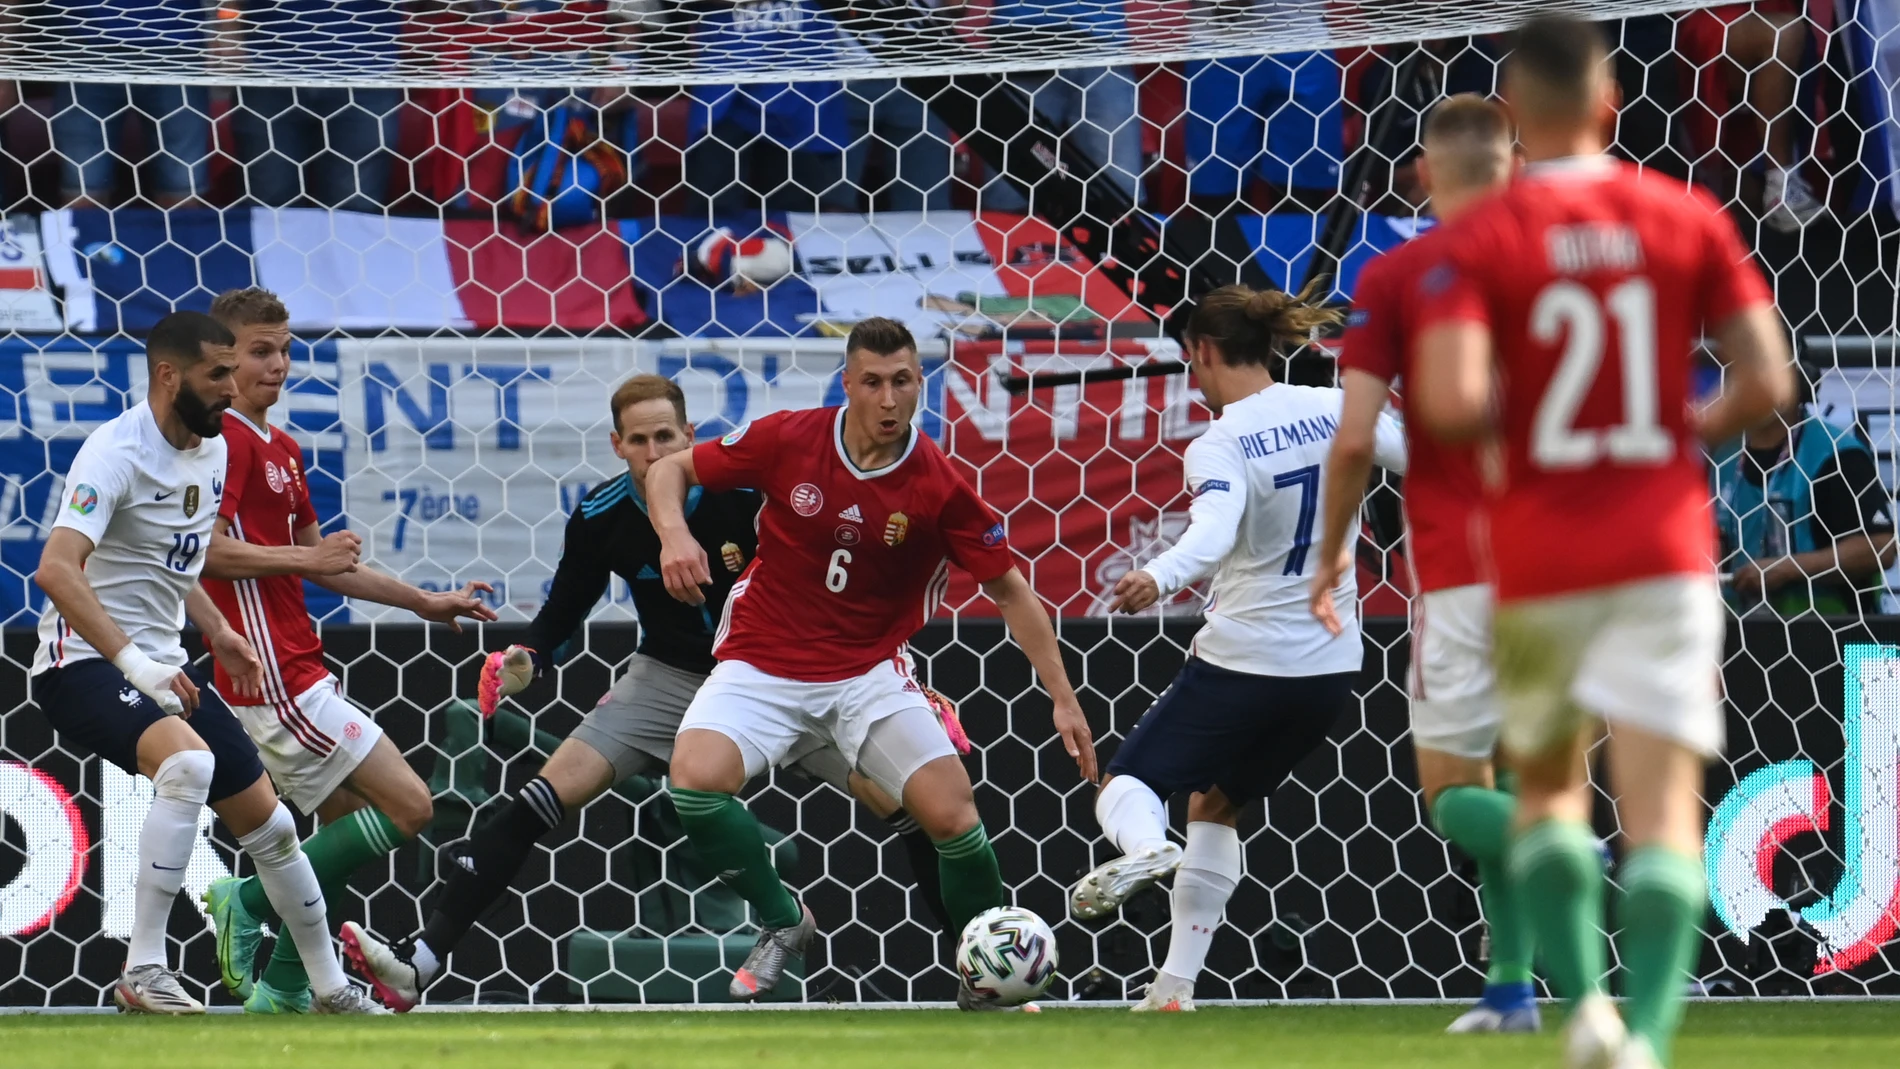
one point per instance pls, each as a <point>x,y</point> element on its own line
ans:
<point>648,388</point>
<point>1252,326</point>
<point>1469,141</point>
<point>252,306</point>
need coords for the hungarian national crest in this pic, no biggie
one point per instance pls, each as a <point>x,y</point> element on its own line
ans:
<point>896,528</point>
<point>191,501</point>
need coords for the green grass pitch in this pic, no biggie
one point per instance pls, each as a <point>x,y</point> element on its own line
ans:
<point>1721,1035</point>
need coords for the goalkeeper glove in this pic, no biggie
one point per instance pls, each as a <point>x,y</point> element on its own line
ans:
<point>504,673</point>
<point>946,711</point>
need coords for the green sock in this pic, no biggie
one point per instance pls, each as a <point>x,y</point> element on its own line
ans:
<point>1663,899</point>
<point>726,837</point>
<point>1478,820</point>
<point>336,851</point>
<point>1557,876</point>
<point>972,882</point>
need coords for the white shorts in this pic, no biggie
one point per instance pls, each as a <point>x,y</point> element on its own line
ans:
<point>1646,654</point>
<point>311,743</point>
<point>1454,690</point>
<point>771,719</point>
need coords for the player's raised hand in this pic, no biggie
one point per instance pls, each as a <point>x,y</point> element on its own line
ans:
<point>503,673</point>
<point>1076,736</point>
<point>1134,592</point>
<point>449,606</point>
<point>336,554</point>
<point>1319,598</point>
<point>240,662</point>
<point>683,568</point>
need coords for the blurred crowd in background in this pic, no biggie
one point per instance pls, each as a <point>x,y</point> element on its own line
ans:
<point>1755,99</point>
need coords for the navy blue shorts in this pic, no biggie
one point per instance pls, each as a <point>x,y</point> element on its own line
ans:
<point>89,703</point>
<point>1243,733</point>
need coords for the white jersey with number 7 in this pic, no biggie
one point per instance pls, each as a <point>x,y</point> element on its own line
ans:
<point>1256,476</point>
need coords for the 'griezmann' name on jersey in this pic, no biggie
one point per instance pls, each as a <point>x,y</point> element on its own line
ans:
<point>148,509</point>
<point>1256,477</point>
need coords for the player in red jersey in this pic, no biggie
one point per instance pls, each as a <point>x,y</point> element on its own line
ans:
<point>1455,716</point>
<point>862,518</point>
<point>1582,292</point>
<point>324,754</point>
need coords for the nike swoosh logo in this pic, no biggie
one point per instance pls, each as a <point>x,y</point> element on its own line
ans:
<point>168,868</point>
<point>163,496</point>
<point>313,902</point>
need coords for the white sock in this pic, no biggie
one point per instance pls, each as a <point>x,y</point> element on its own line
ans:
<point>1132,816</point>
<point>1210,869</point>
<point>165,844</point>
<point>291,885</point>
<point>425,961</point>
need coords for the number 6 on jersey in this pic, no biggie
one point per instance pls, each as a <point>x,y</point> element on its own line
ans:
<point>835,576</point>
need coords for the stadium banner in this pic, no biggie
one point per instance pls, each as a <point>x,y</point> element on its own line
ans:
<point>459,460</point>
<point>463,459</point>
<point>1348,892</point>
<point>957,274</point>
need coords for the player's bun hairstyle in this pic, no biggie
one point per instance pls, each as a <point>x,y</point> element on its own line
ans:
<point>1252,326</point>
<point>180,339</point>
<point>252,306</point>
<point>880,336</point>
<point>1555,58</point>
<point>648,388</point>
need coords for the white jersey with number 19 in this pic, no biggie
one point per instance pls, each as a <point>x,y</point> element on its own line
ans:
<point>1257,475</point>
<point>148,509</point>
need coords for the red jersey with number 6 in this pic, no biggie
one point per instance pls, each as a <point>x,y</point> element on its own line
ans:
<point>266,501</point>
<point>1596,281</point>
<point>1442,492</point>
<point>851,562</point>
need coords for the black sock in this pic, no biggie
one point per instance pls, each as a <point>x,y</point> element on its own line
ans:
<point>923,865</point>
<point>495,854</point>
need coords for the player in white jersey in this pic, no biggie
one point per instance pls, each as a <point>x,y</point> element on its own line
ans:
<point>111,675</point>
<point>1264,681</point>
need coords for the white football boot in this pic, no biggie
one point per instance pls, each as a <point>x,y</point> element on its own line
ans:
<point>1111,883</point>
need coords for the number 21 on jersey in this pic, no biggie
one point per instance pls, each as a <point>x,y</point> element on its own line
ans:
<point>1570,312</point>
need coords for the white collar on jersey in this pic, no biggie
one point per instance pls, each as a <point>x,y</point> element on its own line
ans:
<point>262,432</point>
<point>1571,166</point>
<point>837,439</point>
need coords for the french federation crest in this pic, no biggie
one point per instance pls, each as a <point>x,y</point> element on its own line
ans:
<point>895,529</point>
<point>191,501</point>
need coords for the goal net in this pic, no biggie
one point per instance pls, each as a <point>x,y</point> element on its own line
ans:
<point>484,216</point>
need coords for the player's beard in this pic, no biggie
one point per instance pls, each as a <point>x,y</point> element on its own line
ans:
<point>206,420</point>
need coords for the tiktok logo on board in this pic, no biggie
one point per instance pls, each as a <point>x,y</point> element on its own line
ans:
<point>1772,804</point>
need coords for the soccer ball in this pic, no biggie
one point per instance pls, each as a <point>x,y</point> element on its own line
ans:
<point>1008,955</point>
<point>749,264</point>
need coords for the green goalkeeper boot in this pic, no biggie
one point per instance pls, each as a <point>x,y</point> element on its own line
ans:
<point>267,999</point>
<point>238,935</point>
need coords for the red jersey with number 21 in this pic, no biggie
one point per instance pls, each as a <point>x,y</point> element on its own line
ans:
<point>851,563</point>
<point>1597,281</point>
